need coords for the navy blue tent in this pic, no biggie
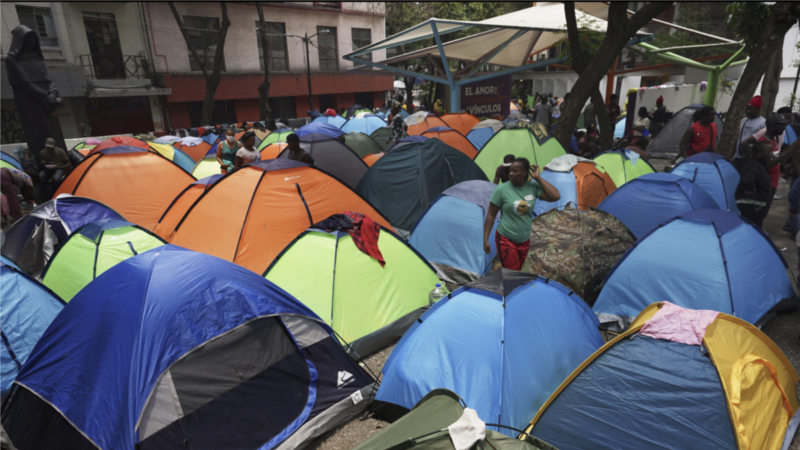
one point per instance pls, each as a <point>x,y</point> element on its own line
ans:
<point>193,352</point>
<point>28,309</point>
<point>450,233</point>
<point>404,182</point>
<point>704,259</point>
<point>644,202</point>
<point>505,342</point>
<point>715,175</point>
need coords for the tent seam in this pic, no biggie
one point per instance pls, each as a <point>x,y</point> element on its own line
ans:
<point>246,214</point>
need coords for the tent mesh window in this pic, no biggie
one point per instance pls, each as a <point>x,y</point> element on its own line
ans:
<point>282,108</point>
<point>363,98</point>
<point>325,102</point>
<point>223,111</point>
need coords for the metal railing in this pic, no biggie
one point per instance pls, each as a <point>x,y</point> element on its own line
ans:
<point>106,66</point>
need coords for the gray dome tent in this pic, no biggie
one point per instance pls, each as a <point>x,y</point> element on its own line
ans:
<point>668,140</point>
<point>333,157</point>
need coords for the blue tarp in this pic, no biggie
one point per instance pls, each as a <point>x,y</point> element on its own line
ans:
<point>704,259</point>
<point>405,181</point>
<point>336,121</point>
<point>167,303</point>
<point>28,309</point>
<point>715,175</point>
<point>480,136</point>
<point>450,233</point>
<point>319,128</point>
<point>365,125</point>
<point>567,187</point>
<point>503,357</point>
<point>641,393</point>
<point>647,201</point>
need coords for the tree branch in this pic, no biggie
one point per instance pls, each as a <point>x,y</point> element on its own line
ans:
<point>181,27</point>
<point>643,16</point>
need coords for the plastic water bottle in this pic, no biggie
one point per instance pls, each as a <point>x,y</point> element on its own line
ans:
<point>439,292</point>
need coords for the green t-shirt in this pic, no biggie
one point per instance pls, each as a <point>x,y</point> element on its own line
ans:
<point>516,208</point>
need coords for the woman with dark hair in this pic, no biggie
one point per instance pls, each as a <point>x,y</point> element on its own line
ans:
<point>248,152</point>
<point>516,200</point>
<point>226,151</point>
<point>643,121</point>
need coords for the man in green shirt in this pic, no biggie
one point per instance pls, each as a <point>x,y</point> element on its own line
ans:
<point>516,199</point>
<point>55,164</point>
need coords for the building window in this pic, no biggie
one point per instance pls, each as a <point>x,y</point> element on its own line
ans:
<point>106,52</point>
<point>362,37</point>
<point>203,33</point>
<point>325,102</point>
<point>223,112</point>
<point>329,5</point>
<point>282,108</point>
<point>278,57</point>
<point>328,54</point>
<point>364,99</point>
<point>39,20</point>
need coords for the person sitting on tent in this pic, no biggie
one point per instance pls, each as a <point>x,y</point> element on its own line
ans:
<point>55,163</point>
<point>399,127</point>
<point>516,200</point>
<point>589,144</point>
<point>248,152</point>
<point>659,117</point>
<point>573,144</point>
<point>638,144</point>
<point>501,174</point>
<point>296,153</point>
<point>701,136</point>
<point>11,177</point>
<point>226,151</point>
<point>754,193</point>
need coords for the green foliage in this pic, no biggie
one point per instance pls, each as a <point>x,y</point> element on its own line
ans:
<point>591,39</point>
<point>747,20</point>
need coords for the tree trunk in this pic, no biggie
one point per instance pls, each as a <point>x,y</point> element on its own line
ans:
<point>772,79</point>
<point>606,128</point>
<point>263,89</point>
<point>212,80</point>
<point>620,30</point>
<point>784,16</point>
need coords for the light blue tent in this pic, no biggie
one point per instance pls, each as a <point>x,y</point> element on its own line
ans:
<point>183,160</point>
<point>645,202</point>
<point>28,309</point>
<point>619,128</point>
<point>505,342</point>
<point>177,349</point>
<point>791,135</point>
<point>450,233</point>
<point>319,128</point>
<point>715,175</point>
<point>210,138</point>
<point>366,124</point>
<point>704,259</point>
<point>480,134</point>
<point>336,121</point>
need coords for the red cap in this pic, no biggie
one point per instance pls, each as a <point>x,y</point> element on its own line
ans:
<point>756,101</point>
<point>660,99</point>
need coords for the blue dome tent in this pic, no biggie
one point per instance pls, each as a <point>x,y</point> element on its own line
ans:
<point>319,128</point>
<point>703,259</point>
<point>28,309</point>
<point>366,124</point>
<point>505,342</point>
<point>715,175</point>
<point>194,352</point>
<point>336,121</point>
<point>450,233</point>
<point>645,202</point>
<point>480,134</point>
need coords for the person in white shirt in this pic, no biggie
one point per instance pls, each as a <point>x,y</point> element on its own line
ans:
<point>248,152</point>
<point>752,123</point>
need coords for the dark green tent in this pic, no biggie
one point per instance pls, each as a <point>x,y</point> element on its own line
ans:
<point>362,144</point>
<point>425,428</point>
<point>381,135</point>
<point>404,182</point>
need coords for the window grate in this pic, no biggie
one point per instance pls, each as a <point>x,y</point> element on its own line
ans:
<point>204,42</point>
<point>325,102</point>
<point>328,51</point>
<point>282,108</point>
<point>364,99</point>
<point>362,37</point>
<point>278,57</point>
<point>223,112</point>
<point>40,20</point>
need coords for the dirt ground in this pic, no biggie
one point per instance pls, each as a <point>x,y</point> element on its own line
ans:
<point>784,329</point>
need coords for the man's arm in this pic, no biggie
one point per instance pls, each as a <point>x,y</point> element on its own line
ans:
<point>744,147</point>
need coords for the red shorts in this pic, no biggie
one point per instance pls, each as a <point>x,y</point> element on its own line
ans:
<point>511,254</point>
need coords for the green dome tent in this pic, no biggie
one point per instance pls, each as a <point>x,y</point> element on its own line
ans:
<point>275,136</point>
<point>425,428</point>
<point>362,144</point>
<point>369,306</point>
<point>381,135</point>
<point>533,143</point>
<point>91,250</point>
<point>621,168</point>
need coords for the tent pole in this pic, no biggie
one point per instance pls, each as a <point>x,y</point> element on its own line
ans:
<point>711,88</point>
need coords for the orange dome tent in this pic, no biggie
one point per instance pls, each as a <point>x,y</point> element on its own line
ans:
<point>273,150</point>
<point>249,216</point>
<point>452,138</point>
<point>427,123</point>
<point>117,141</point>
<point>461,122</point>
<point>196,152</point>
<point>373,158</point>
<point>136,182</point>
<point>177,209</point>
<point>580,181</point>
